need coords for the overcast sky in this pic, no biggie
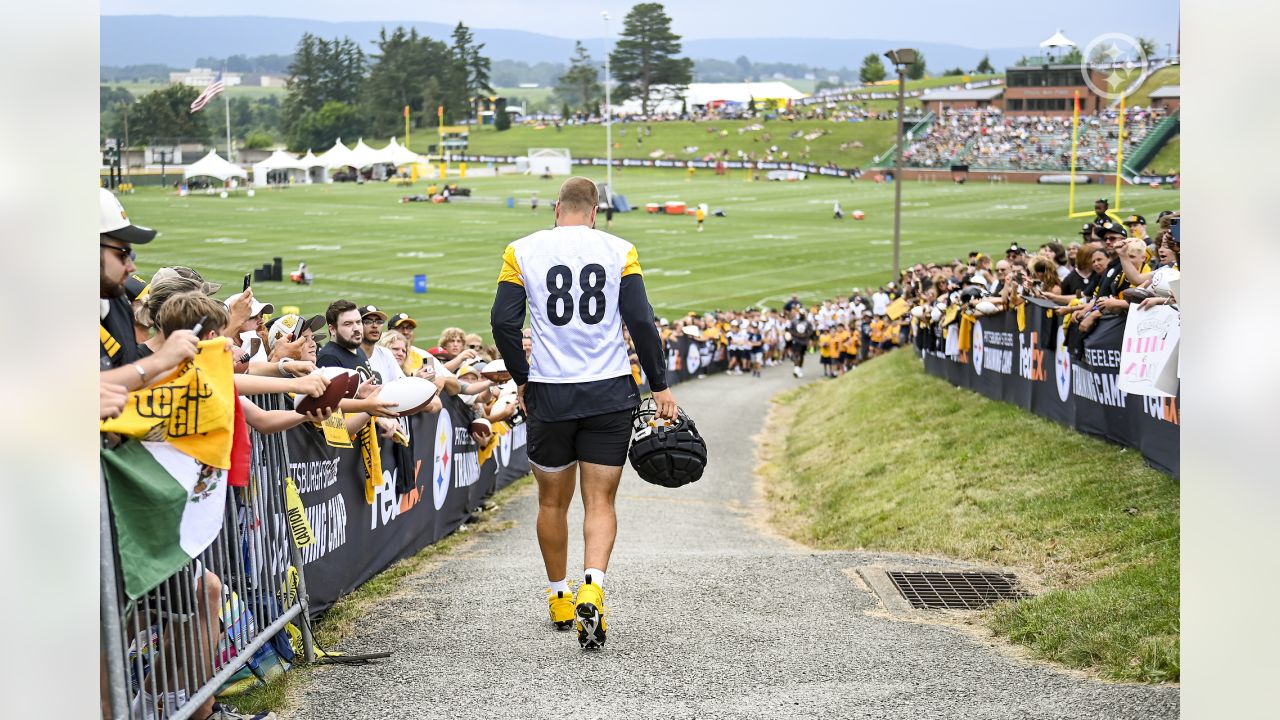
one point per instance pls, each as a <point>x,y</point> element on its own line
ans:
<point>979,24</point>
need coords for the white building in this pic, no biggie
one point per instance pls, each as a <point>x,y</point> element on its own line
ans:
<point>201,77</point>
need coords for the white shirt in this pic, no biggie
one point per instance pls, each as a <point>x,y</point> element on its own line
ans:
<point>383,362</point>
<point>879,303</point>
<point>572,276</point>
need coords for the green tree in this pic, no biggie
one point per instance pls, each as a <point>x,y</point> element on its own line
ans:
<point>645,61</point>
<point>164,117</point>
<point>1074,56</point>
<point>580,86</point>
<point>112,96</point>
<point>915,70</point>
<point>953,72</point>
<point>501,119</point>
<point>414,70</point>
<point>258,140</point>
<point>744,66</point>
<point>984,65</point>
<point>872,69</point>
<point>322,71</point>
<point>471,68</point>
<point>1148,47</point>
<point>319,130</point>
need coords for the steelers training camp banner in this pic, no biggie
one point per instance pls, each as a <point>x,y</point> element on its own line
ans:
<point>426,491</point>
<point>1061,375</point>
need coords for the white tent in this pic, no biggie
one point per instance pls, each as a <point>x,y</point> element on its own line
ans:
<point>363,156</point>
<point>315,168</point>
<point>701,94</point>
<point>397,154</point>
<point>338,156</point>
<point>212,165</point>
<point>1058,40</point>
<point>283,162</point>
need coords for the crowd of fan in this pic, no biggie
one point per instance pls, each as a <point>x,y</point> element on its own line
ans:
<point>1114,264</point>
<point>994,139</point>
<point>151,328</point>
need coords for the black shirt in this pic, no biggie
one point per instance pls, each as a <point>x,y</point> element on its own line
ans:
<point>334,355</point>
<point>1109,284</point>
<point>121,348</point>
<point>1076,283</point>
<point>801,330</point>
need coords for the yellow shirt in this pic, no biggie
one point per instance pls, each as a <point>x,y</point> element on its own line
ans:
<point>826,344</point>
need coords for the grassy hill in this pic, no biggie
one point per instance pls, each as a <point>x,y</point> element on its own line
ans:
<point>708,137</point>
<point>1171,75</point>
<point>888,458</point>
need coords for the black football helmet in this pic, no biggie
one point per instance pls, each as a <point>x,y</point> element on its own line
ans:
<point>666,453</point>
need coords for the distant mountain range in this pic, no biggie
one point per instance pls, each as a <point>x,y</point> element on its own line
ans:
<point>178,41</point>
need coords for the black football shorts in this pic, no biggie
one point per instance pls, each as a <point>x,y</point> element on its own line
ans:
<point>599,439</point>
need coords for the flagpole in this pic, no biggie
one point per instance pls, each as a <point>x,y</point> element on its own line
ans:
<point>226,105</point>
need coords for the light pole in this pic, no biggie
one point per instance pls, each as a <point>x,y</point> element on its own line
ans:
<point>901,58</point>
<point>608,119</point>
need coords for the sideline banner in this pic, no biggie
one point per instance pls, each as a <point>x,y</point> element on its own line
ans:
<point>443,483</point>
<point>1035,369</point>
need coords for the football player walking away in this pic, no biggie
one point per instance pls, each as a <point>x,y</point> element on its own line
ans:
<point>799,332</point>
<point>581,285</point>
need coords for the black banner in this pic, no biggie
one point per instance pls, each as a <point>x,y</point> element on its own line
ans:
<point>449,477</point>
<point>1035,369</point>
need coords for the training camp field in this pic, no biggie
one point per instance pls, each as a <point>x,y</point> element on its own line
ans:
<point>364,245</point>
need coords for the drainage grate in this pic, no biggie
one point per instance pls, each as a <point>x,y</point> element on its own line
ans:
<point>956,590</point>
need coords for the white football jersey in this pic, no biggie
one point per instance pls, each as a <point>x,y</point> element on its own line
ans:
<point>571,276</point>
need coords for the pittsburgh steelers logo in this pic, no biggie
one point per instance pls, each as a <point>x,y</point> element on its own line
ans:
<point>695,358</point>
<point>1062,367</point>
<point>1116,65</point>
<point>442,464</point>
<point>978,347</point>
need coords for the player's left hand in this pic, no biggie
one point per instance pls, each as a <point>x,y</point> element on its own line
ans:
<point>520,398</point>
<point>666,402</point>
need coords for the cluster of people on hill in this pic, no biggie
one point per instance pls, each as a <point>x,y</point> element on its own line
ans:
<point>997,139</point>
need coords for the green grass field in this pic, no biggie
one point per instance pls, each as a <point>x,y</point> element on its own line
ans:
<point>777,238</point>
<point>1171,75</point>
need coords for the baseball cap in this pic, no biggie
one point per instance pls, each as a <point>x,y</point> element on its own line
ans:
<point>1114,228</point>
<point>368,310</point>
<point>1016,249</point>
<point>1087,229</point>
<point>439,352</point>
<point>256,308</point>
<point>114,221</point>
<point>292,324</point>
<point>164,273</point>
<point>1135,220</point>
<point>135,286</point>
<point>401,319</point>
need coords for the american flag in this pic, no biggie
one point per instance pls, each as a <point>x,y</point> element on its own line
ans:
<point>209,93</point>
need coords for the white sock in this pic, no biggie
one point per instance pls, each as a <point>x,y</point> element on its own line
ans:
<point>595,575</point>
<point>560,586</point>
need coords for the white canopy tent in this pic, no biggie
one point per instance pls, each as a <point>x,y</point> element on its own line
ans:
<point>338,156</point>
<point>315,168</point>
<point>398,155</point>
<point>1057,41</point>
<point>212,165</point>
<point>363,156</point>
<point>281,162</point>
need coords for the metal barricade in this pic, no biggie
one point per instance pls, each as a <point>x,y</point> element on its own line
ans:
<point>168,652</point>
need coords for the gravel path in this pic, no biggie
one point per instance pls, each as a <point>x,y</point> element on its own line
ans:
<point>709,618</point>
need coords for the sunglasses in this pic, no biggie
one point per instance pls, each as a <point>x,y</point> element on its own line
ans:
<point>125,253</point>
<point>475,347</point>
